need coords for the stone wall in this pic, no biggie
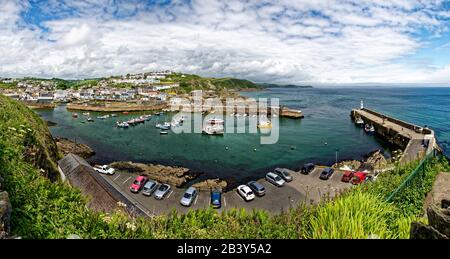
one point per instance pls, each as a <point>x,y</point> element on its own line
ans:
<point>438,223</point>
<point>5,211</point>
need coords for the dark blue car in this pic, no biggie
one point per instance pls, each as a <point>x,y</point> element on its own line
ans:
<point>216,199</point>
<point>326,173</point>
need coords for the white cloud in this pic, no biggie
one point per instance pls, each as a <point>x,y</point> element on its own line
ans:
<point>282,41</point>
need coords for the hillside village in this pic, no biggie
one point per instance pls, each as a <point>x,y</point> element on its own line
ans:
<point>143,86</point>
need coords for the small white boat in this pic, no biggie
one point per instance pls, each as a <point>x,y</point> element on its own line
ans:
<point>163,132</point>
<point>103,117</point>
<point>86,114</point>
<point>123,125</point>
<point>359,122</point>
<point>369,129</point>
<point>113,115</point>
<point>213,130</point>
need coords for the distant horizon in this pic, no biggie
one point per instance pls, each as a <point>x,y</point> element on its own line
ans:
<point>314,85</point>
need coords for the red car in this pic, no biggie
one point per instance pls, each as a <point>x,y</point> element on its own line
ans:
<point>137,185</point>
<point>348,175</point>
<point>358,177</point>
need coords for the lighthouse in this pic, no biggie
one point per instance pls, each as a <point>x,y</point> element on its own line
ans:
<point>362,104</point>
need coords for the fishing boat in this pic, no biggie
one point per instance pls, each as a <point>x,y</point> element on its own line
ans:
<point>369,129</point>
<point>125,113</point>
<point>215,121</point>
<point>75,115</point>
<point>359,122</point>
<point>213,130</point>
<point>90,119</point>
<point>167,124</point>
<point>113,115</point>
<point>103,117</point>
<point>264,123</point>
<point>123,124</point>
<point>86,114</point>
<point>157,113</point>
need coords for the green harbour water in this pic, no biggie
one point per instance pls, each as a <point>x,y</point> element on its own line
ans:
<point>326,127</point>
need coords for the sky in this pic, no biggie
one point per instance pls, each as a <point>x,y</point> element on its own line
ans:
<point>329,42</point>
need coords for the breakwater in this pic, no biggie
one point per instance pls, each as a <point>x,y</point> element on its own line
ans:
<point>415,141</point>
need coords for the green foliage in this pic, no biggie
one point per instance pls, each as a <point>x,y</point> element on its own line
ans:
<point>8,85</point>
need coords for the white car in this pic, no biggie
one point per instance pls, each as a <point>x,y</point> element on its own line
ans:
<point>104,169</point>
<point>246,193</point>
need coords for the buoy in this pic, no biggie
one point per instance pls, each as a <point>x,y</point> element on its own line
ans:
<point>226,148</point>
<point>326,143</point>
<point>254,149</point>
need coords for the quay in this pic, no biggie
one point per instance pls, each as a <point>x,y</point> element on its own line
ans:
<point>281,111</point>
<point>415,141</point>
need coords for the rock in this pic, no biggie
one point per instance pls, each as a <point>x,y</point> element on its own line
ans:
<point>177,176</point>
<point>210,184</point>
<point>352,164</point>
<point>438,219</point>
<point>67,146</point>
<point>5,214</point>
<point>421,231</point>
<point>376,161</point>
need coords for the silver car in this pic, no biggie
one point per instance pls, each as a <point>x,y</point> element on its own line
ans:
<point>283,173</point>
<point>149,188</point>
<point>189,197</point>
<point>275,179</point>
<point>162,191</point>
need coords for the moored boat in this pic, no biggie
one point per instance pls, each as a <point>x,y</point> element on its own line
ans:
<point>359,122</point>
<point>213,130</point>
<point>369,129</point>
<point>75,115</point>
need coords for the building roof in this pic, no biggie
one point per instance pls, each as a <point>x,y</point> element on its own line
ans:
<point>81,175</point>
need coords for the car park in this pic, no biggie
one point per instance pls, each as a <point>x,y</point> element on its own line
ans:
<point>347,176</point>
<point>149,188</point>
<point>138,183</point>
<point>189,196</point>
<point>245,192</point>
<point>326,173</point>
<point>257,188</point>
<point>216,199</point>
<point>104,169</point>
<point>275,179</point>
<point>307,168</point>
<point>162,191</point>
<point>283,173</point>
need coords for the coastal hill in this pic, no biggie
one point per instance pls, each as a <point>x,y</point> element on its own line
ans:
<point>187,83</point>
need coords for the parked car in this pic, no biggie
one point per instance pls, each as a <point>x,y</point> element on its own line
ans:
<point>275,179</point>
<point>245,192</point>
<point>348,175</point>
<point>283,173</point>
<point>326,173</point>
<point>257,188</point>
<point>138,183</point>
<point>358,178</point>
<point>216,199</point>
<point>307,168</point>
<point>149,188</point>
<point>189,196</point>
<point>104,169</point>
<point>162,191</point>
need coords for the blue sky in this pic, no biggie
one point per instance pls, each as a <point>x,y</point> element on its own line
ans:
<point>297,42</point>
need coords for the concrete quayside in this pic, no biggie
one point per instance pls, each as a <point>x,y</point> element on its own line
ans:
<point>415,141</point>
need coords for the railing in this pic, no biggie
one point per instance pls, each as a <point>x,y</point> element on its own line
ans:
<point>419,171</point>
